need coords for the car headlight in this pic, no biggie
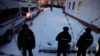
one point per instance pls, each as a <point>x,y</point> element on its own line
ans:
<point>28,15</point>
<point>41,9</point>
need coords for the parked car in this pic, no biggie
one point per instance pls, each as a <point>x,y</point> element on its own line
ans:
<point>29,10</point>
<point>30,13</point>
<point>10,20</point>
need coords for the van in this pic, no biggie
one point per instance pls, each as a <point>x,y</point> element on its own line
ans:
<point>29,10</point>
<point>10,20</point>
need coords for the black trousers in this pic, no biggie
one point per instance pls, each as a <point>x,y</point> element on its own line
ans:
<point>61,52</point>
<point>24,52</point>
<point>98,53</point>
<point>81,52</point>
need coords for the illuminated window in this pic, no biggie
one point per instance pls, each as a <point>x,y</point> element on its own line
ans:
<point>42,1</point>
<point>69,5</point>
<point>79,6</point>
<point>73,6</point>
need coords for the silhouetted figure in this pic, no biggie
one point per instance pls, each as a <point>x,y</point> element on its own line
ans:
<point>63,38</point>
<point>26,40</point>
<point>84,42</point>
<point>98,52</point>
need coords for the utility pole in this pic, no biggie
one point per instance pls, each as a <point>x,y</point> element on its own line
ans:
<point>51,5</point>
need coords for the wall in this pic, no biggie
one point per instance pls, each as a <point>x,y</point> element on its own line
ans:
<point>90,10</point>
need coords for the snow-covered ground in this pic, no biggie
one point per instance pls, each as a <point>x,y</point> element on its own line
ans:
<point>46,27</point>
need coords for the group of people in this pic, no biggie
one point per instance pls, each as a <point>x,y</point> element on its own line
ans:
<point>26,41</point>
<point>83,43</point>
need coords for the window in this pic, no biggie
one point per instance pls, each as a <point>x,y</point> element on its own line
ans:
<point>79,6</point>
<point>69,5</point>
<point>32,8</point>
<point>73,6</point>
<point>24,10</point>
<point>8,14</point>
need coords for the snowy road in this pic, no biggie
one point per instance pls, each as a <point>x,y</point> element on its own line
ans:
<point>46,27</point>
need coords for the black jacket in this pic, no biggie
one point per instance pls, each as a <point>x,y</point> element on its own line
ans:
<point>85,41</point>
<point>26,39</point>
<point>63,38</point>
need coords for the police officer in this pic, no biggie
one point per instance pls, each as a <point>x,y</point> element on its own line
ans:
<point>63,38</point>
<point>84,42</point>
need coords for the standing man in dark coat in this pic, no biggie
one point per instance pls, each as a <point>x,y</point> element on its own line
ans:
<point>63,38</point>
<point>98,52</point>
<point>26,40</point>
<point>84,42</point>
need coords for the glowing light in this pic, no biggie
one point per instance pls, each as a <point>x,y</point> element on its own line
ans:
<point>42,1</point>
<point>28,15</point>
